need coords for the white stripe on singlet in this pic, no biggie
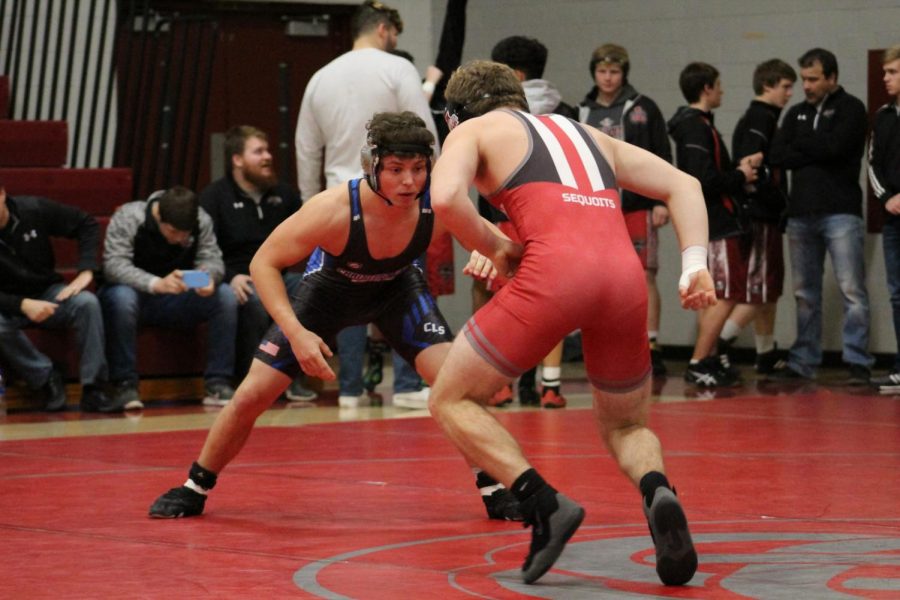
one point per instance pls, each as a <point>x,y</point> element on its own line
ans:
<point>584,152</point>
<point>566,177</point>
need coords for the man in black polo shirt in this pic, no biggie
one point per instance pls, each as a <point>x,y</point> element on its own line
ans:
<point>246,205</point>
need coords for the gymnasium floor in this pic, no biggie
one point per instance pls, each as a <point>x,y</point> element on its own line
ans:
<point>792,492</point>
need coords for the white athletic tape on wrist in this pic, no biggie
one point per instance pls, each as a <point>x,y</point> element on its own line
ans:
<point>428,87</point>
<point>693,259</point>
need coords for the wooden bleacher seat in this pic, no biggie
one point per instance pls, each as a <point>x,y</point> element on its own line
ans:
<point>33,143</point>
<point>96,191</point>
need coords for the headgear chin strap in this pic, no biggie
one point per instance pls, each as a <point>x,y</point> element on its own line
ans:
<point>372,154</point>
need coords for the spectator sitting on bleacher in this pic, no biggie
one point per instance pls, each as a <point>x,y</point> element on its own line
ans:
<point>162,267</point>
<point>246,205</point>
<point>33,294</point>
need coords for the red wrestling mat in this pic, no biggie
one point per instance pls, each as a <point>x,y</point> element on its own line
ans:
<point>790,496</point>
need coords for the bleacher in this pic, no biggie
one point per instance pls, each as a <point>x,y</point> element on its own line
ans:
<point>32,159</point>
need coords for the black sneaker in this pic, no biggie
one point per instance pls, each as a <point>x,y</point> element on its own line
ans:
<point>676,558</point>
<point>887,384</point>
<point>858,375</point>
<point>553,519</point>
<point>94,400</point>
<point>709,373</point>
<point>178,502</point>
<point>54,392</point>
<point>657,364</point>
<point>768,362</point>
<point>502,506</point>
<point>126,393</point>
<point>786,373</point>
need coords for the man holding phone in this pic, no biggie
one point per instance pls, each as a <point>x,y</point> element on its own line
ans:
<point>162,266</point>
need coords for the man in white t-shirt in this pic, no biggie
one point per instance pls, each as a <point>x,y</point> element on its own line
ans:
<point>340,99</point>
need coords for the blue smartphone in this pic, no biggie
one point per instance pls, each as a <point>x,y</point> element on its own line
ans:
<point>195,279</point>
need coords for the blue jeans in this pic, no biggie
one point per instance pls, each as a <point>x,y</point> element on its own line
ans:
<point>126,308</point>
<point>841,236</point>
<point>891,245</point>
<point>82,313</point>
<point>351,343</point>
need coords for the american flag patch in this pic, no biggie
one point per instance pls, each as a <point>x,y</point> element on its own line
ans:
<point>270,348</point>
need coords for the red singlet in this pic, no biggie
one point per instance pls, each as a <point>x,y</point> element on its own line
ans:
<point>579,269</point>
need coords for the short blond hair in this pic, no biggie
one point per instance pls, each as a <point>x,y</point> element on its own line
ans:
<point>891,54</point>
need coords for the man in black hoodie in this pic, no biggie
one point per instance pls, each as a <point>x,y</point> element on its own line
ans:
<point>821,142</point>
<point>701,152</point>
<point>773,84</point>
<point>528,57</point>
<point>33,294</point>
<point>617,109</point>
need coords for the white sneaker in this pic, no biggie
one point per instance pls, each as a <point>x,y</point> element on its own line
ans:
<point>417,400</point>
<point>351,401</point>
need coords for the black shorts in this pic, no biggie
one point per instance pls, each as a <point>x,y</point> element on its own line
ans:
<point>402,308</point>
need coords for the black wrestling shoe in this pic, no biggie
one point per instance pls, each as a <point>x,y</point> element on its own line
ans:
<point>708,372</point>
<point>768,362</point>
<point>676,559</point>
<point>528,396</point>
<point>553,519</point>
<point>503,506</point>
<point>178,502</point>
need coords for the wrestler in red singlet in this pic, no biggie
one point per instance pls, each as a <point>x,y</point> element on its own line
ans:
<point>577,271</point>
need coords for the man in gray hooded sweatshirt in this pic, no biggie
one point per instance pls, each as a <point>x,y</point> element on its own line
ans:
<point>618,110</point>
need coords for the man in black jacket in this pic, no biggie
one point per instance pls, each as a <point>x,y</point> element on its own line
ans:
<point>884,177</point>
<point>617,109</point>
<point>700,151</point>
<point>33,294</point>
<point>821,142</point>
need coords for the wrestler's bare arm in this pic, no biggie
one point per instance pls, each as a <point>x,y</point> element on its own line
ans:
<point>647,174</point>
<point>321,221</point>
<point>453,173</point>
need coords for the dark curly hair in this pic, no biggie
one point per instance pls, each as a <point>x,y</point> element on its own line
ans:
<point>405,129</point>
<point>523,53</point>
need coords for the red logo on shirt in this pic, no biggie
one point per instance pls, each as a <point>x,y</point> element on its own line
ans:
<point>637,115</point>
